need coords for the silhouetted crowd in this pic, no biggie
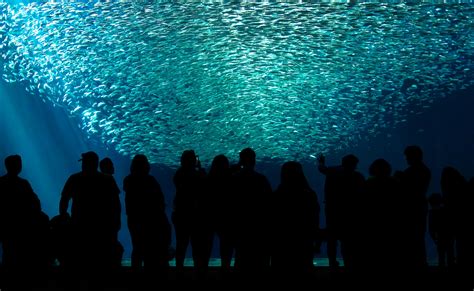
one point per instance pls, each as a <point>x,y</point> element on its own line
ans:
<point>378,222</point>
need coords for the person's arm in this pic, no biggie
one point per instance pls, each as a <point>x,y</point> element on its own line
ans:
<point>432,227</point>
<point>66,195</point>
<point>117,207</point>
<point>322,164</point>
<point>160,197</point>
<point>318,238</point>
<point>35,202</point>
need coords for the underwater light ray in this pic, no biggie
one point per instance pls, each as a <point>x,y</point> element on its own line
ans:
<point>287,79</point>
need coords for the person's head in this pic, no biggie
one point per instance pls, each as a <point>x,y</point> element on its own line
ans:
<point>451,177</point>
<point>107,166</point>
<point>188,159</point>
<point>13,165</point>
<point>380,168</point>
<point>140,165</point>
<point>90,162</point>
<point>450,173</point>
<point>413,155</point>
<point>349,162</point>
<point>292,175</point>
<point>220,164</point>
<point>247,158</point>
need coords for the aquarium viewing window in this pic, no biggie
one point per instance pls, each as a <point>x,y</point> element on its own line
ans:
<point>289,78</point>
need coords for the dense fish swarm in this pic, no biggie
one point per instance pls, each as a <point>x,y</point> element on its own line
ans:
<point>288,79</point>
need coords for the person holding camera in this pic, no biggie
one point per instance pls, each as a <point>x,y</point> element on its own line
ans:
<point>342,190</point>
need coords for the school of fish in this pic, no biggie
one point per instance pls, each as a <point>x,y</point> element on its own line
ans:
<point>287,79</point>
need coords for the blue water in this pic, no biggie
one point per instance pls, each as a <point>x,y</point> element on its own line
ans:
<point>320,91</point>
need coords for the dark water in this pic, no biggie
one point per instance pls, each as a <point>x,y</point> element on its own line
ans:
<point>369,81</point>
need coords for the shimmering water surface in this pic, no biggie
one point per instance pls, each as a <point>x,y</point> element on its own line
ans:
<point>289,79</point>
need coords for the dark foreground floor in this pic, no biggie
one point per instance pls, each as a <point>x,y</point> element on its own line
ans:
<point>322,278</point>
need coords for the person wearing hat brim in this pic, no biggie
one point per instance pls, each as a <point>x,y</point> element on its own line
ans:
<point>95,214</point>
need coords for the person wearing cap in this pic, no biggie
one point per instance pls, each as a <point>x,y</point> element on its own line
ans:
<point>95,214</point>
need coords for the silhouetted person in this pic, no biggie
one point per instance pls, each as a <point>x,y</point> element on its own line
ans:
<point>221,208</point>
<point>188,181</point>
<point>295,223</point>
<point>95,215</point>
<point>465,237</point>
<point>253,198</point>
<point>415,181</point>
<point>149,227</point>
<point>439,230</point>
<point>106,166</point>
<point>381,232</point>
<point>24,229</point>
<point>61,239</point>
<point>342,188</point>
<point>453,190</point>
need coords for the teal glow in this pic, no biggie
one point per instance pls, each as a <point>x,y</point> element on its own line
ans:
<point>289,79</point>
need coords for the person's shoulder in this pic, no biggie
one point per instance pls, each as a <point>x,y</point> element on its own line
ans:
<point>260,176</point>
<point>77,175</point>
<point>310,190</point>
<point>334,169</point>
<point>74,179</point>
<point>359,174</point>
<point>150,179</point>
<point>22,180</point>
<point>426,168</point>
<point>263,180</point>
<point>179,174</point>
<point>105,177</point>
<point>25,183</point>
